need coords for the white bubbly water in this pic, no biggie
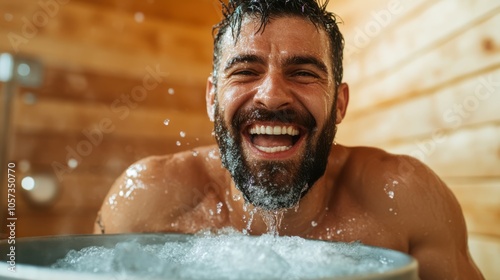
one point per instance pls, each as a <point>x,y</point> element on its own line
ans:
<point>229,256</point>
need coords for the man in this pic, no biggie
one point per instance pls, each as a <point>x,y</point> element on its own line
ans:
<point>275,97</point>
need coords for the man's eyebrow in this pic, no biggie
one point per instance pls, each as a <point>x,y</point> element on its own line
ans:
<point>242,58</point>
<point>300,60</point>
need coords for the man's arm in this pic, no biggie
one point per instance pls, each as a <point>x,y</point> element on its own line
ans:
<point>147,197</point>
<point>438,235</point>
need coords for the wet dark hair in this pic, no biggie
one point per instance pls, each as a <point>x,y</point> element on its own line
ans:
<point>236,10</point>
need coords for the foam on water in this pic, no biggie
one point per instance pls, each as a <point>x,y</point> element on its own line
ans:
<point>229,256</point>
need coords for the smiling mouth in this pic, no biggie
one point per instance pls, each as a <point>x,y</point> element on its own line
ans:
<point>274,139</point>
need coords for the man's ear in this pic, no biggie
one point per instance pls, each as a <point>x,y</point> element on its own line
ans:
<point>210,98</point>
<point>342,101</point>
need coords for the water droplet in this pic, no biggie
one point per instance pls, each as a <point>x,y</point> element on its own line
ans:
<point>8,17</point>
<point>178,143</point>
<point>171,91</point>
<point>28,183</point>
<point>211,212</point>
<point>390,209</point>
<point>212,154</point>
<point>391,194</point>
<point>29,98</point>
<point>314,224</point>
<point>219,207</point>
<point>112,201</point>
<point>182,134</point>
<point>139,17</point>
<point>23,69</point>
<point>72,163</point>
<point>195,153</point>
<point>166,121</point>
<point>236,197</point>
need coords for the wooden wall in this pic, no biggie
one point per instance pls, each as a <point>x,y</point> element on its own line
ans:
<point>122,80</point>
<point>424,79</point>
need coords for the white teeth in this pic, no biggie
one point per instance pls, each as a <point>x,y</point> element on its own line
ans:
<point>274,130</point>
<point>273,149</point>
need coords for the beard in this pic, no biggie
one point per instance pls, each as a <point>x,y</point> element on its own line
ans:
<point>267,184</point>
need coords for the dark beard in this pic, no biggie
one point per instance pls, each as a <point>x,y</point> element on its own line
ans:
<point>273,185</point>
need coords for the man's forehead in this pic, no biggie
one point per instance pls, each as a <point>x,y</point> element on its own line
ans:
<point>252,25</point>
<point>291,35</point>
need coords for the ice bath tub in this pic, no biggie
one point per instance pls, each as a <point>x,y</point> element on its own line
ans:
<point>34,256</point>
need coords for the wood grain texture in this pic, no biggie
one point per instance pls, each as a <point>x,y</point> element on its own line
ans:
<point>427,84</point>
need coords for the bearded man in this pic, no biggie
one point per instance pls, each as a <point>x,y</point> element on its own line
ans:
<point>275,96</point>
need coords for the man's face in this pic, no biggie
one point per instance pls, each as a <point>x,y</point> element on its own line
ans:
<point>273,110</point>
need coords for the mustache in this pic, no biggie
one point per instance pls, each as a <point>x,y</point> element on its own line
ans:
<point>247,116</point>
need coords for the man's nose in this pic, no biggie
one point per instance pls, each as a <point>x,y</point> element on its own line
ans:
<point>273,93</point>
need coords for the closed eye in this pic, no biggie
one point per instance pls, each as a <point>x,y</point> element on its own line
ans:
<point>244,73</point>
<point>305,74</point>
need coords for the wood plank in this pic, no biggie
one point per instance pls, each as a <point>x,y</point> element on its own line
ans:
<point>47,222</point>
<point>85,86</point>
<point>469,102</point>
<point>121,118</point>
<point>485,251</point>
<point>79,189</point>
<point>193,12</point>
<point>112,154</point>
<point>459,58</point>
<point>362,28</point>
<point>396,46</point>
<point>78,32</point>
<point>469,152</point>
<point>480,201</point>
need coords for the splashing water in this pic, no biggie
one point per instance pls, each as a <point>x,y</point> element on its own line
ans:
<point>229,256</point>
<point>272,219</point>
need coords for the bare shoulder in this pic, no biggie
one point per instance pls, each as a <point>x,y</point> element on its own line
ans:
<point>419,205</point>
<point>157,189</point>
<point>405,183</point>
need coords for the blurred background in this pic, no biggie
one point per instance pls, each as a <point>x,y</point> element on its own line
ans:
<point>90,86</point>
